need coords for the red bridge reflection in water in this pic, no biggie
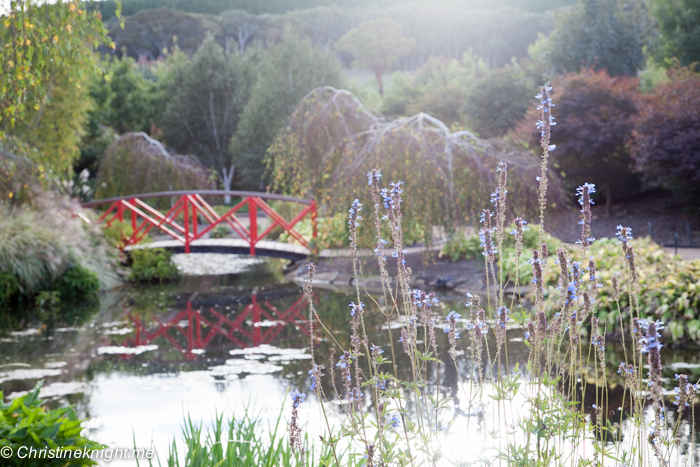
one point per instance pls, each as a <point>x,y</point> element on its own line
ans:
<point>259,323</point>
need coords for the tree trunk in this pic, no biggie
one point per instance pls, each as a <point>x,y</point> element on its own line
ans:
<point>378,74</point>
<point>608,200</point>
<point>227,179</point>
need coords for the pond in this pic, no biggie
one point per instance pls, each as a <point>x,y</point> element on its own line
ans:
<point>151,355</point>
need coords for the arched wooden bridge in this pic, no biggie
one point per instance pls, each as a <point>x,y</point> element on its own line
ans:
<point>191,219</point>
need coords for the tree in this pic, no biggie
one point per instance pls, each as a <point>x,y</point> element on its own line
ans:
<point>125,99</point>
<point>377,45</point>
<point>594,115</point>
<point>665,142</point>
<point>39,41</point>
<point>678,23</point>
<point>498,101</point>
<point>439,88</point>
<point>602,35</point>
<point>285,74</point>
<point>332,141</point>
<point>204,98</point>
<point>150,32</point>
<point>240,26</point>
<point>46,61</point>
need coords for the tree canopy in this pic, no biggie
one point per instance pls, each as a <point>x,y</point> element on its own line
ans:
<point>594,119</point>
<point>678,23</point>
<point>376,45</point>
<point>203,100</point>
<point>665,142</point>
<point>601,34</point>
<point>332,141</point>
<point>284,74</point>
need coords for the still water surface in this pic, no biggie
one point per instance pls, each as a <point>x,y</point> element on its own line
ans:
<point>150,355</point>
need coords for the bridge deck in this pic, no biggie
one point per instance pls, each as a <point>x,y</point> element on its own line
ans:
<point>236,246</point>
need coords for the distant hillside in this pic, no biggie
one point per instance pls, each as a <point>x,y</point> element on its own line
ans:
<point>215,7</point>
<point>449,28</point>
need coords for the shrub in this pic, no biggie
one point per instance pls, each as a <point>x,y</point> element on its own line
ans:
<point>31,251</point>
<point>117,233</point>
<point>37,248</point>
<point>594,120</point>
<point>669,289</point>
<point>665,141</point>
<point>332,232</point>
<point>152,263</point>
<point>25,421</point>
<point>9,287</point>
<point>136,163</point>
<point>332,141</point>
<point>498,101</point>
<point>461,246</point>
<point>76,282</point>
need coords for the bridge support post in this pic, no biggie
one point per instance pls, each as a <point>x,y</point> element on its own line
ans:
<point>185,212</point>
<point>133,225</point>
<point>253,217</point>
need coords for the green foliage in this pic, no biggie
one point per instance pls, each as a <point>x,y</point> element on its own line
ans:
<point>152,33</point>
<point>377,45</point>
<point>21,180</point>
<point>214,7</point>
<point>9,288</point>
<point>285,74</point>
<point>77,282</point>
<point>333,233</point>
<point>37,41</point>
<point>25,421</point>
<point>439,88</point>
<point>498,101</point>
<point>204,97</point>
<point>332,141</point>
<point>128,96</point>
<point>461,246</point>
<point>601,34</point>
<point>38,248</point>
<point>55,128</point>
<point>152,264</point>
<point>256,445</point>
<point>678,23</point>
<point>220,231</point>
<point>117,233</point>
<point>669,288</point>
<point>31,251</point>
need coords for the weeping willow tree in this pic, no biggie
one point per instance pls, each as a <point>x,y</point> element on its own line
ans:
<point>136,163</point>
<point>332,141</point>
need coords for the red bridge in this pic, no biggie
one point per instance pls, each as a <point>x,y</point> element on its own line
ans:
<point>191,220</point>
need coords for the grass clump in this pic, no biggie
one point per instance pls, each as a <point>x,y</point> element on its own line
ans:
<point>237,442</point>
<point>46,248</point>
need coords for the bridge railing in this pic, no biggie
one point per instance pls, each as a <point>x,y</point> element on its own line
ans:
<point>182,222</point>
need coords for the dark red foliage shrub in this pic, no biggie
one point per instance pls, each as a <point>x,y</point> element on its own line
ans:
<point>665,141</point>
<point>594,115</point>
